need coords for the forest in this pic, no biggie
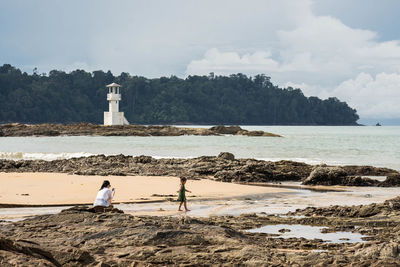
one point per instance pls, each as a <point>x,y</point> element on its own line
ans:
<point>80,96</point>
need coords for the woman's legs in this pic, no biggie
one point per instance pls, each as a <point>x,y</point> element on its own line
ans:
<point>180,205</point>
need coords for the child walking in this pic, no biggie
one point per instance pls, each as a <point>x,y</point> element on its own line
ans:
<point>182,195</point>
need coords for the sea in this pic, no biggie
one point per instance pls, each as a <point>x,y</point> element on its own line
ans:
<point>334,145</point>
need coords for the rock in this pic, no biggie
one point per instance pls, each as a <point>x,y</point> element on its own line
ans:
<point>368,210</point>
<point>220,129</point>
<point>336,176</point>
<point>102,264</point>
<point>143,159</point>
<point>367,170</point>
<point>252,133</point>
<point>382,251</point>
<point>16,129</point>
<point>325,176</point>
<point>96,209</point>
<point>222,168</point>
<point>391,180</point>
<point>359,211</point>
<point>81,237</point>
<point>73,256</point>
<point>31,250</point>
<point>226,155</point>
<point>393,204</point>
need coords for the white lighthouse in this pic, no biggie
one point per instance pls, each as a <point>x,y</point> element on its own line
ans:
<point>113,116</point>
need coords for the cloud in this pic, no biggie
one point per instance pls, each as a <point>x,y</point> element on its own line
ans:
<point>323,57</point>
<point>231,62</point>
<point>284,39</point>
<point>318,45</point>
<point>374,97</point>
<point>162,41</point>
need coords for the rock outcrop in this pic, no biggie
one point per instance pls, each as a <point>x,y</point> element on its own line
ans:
<point>80,236</point>
<point>17,129</point>
<point>359,211</point>
<point>351,176</point>
<point>222,168</point>
<point>391,180</point>
<point>336,176</point>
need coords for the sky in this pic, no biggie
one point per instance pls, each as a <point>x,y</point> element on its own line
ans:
<point>349,49</point>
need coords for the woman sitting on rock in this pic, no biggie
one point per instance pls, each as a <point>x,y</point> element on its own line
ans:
<point>105,195</point>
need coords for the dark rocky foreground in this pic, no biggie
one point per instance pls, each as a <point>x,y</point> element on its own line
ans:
<point>17,129</point>
<point>222,168</point>
<point>82,237</point>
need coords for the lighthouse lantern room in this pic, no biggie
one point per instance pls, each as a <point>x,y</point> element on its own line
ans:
<point>113,116</point>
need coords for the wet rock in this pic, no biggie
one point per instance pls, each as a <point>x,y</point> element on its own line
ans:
<point>358,211</point>
<point>336,176</point>
<point>367,170</point>
<point>391,180</point>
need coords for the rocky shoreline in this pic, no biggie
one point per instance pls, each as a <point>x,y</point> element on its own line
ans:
<point>88,129</point>
<point>82,236</point>
<point>223,168</point>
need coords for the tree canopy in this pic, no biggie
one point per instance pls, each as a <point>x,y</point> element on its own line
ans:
<point>80,96</point>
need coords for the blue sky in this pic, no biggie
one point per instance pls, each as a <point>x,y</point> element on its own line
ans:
<point>342,48</point>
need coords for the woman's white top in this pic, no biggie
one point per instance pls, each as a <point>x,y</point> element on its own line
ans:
<point>102,197</point>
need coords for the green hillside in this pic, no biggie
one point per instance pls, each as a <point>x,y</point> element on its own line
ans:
<point>80,96</point>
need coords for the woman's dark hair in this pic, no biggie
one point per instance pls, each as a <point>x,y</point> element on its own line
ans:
<point>183,179</point>
<point>105,184</point>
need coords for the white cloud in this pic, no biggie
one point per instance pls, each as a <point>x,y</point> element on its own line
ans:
<point>309,90</point>
<point>319,45</point>
<point>230,62</point>
<point>373,97</point>
<point>317,55</point>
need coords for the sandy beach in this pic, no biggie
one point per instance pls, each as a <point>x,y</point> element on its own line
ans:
<point>64,189</point>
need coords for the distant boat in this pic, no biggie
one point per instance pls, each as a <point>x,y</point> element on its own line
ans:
<point>378,124</point>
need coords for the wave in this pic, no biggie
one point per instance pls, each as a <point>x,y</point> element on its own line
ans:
<point>48,156</point>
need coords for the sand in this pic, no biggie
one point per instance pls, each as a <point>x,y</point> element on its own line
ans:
<point>64,189</point>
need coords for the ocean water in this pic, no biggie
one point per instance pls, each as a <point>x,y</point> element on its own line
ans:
<point>337,145</point>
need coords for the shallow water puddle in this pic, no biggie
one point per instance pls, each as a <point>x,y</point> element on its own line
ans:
<point>308,232</point>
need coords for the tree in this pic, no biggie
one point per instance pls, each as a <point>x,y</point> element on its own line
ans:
<point>236,99</point>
